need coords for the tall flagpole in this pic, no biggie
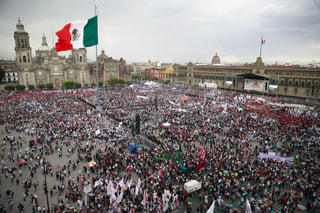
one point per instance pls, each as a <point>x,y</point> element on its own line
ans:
<point>98,108</point>
<point>261,46</point>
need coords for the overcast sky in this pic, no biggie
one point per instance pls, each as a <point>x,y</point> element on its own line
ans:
<point>176,31</point>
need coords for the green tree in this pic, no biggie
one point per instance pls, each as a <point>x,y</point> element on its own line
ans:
<point>41,86</point>
<point>10,87</point>
<point>93,84</point>
<point>69,84</point>
<point>114,81</point>
<point>77,85</point>
<point>100,83</point>
<point>20,87</point>
<point>30,87</point>
<point>121,81</point>
<point>49,85</point>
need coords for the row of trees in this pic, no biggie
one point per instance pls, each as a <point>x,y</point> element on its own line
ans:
<point>66,85</point>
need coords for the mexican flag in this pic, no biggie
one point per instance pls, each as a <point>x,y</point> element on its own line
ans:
<point>78,34</point>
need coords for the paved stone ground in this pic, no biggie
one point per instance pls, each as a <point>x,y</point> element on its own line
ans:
<point>55,160</point>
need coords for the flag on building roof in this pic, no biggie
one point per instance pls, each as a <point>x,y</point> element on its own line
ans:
<point>78,34</point>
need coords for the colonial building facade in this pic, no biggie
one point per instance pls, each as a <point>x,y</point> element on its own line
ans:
<point>293,81</point>
<point>10,69</point>
<point>113,68</point>
<point>47,66</point>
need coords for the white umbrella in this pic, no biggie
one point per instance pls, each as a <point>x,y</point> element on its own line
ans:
<point>166,124</point>
<point>91,163</point>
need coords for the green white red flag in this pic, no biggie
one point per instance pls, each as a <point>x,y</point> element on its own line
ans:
<point>78,34</point>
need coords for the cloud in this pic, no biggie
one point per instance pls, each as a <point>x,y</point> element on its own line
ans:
<point>177,30</point>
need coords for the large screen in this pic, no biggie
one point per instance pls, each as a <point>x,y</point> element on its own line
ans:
<point>256,85</point>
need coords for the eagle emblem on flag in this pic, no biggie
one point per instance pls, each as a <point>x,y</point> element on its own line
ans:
<point>75,34</point>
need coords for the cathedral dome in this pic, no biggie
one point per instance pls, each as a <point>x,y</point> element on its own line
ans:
<point>44,45</point>
<point>103,56</point>
<point>215,59</point>
<point>44,48</point>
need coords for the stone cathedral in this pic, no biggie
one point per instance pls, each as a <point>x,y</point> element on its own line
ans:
<point>47,66</point>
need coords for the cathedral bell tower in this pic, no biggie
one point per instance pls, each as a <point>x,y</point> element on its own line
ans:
<point>23,49</point>
<point>79,56</point>
<point>23,56</point>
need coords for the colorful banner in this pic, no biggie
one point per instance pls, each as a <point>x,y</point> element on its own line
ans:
<point>275,157</point>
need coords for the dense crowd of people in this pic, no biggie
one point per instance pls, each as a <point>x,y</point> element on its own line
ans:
<point>245,150</point>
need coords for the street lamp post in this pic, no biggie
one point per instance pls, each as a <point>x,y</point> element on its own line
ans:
<point>46,189</point>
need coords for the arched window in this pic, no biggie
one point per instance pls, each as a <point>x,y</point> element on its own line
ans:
<point>24,58</point>
<point>80,58</point>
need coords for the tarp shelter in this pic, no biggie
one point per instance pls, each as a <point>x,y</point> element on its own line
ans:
<point>132,148</point>
<point>192,186</point>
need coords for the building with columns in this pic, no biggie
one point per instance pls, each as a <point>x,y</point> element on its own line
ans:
<point>294,81</point>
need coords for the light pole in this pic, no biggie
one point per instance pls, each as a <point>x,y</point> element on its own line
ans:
<point>46,188</point>
<point>98,107</point>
